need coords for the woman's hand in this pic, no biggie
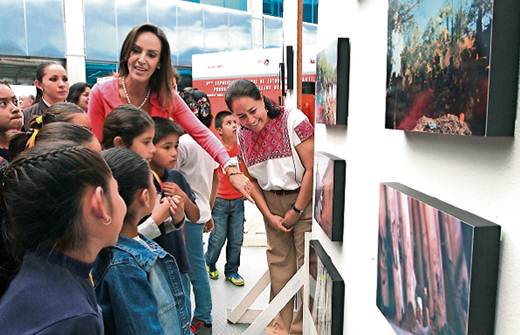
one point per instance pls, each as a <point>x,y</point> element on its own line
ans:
<point>291,217</point>
<point>240,182</point>
<point>277,222</point>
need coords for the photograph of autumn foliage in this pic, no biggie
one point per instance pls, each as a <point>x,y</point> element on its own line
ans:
<point>437,274</point>
<point>438,63</point>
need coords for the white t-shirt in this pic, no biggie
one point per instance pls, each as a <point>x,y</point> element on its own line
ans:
<point>270,155</point>
<point>197,166</point>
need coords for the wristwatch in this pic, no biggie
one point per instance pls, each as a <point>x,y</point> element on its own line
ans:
<point>299,211</point>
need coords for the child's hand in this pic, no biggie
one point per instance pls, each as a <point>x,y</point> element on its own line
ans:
<point>160,212</point>
<point>209,226</point>
<point>176,208</point>
<point>170,189</point>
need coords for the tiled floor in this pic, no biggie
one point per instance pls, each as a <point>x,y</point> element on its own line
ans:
<point>253,264</point>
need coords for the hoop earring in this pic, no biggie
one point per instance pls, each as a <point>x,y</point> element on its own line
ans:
<point>107,221</point>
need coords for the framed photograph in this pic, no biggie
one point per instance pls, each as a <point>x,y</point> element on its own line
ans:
<point>451,66</point>
<point>326,292</point>
<point>437,265</point>
<point>329,194</point>
<point>332,83</point>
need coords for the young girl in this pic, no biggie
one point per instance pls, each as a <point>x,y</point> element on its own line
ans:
<point>129,127</point>
<point>75,211</point>
<point>79,95</point>
<point>63,112</point>
<point>53,132</point>
<point>10,119</point>
<point>52,85</point>
<point>276,145</point>
<point>138,283</point>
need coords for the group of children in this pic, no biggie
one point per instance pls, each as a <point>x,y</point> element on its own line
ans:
<point>121,229</point>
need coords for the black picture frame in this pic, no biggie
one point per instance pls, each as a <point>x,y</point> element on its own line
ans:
<point>326,292</point>
<point>289,54</point>
<point>459,78</point>
<point>437,265</point>
<point>329,194</point>
<point>332,83</point>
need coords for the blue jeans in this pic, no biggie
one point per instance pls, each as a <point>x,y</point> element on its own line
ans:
<point>198,275</point>
<point>228,216</point>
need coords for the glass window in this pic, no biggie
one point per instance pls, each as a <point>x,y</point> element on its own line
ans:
<point>236,4</point>
<point>96,70</point>
<point>130,13</point>
<point>100,30</point>
<point>273,7</point>
<point>164,15</point>
<point>310,11</point>
<point>45,28</point>
<point>273,32</point>
<point>219,3</point>
<point>240,31</point>
<point>190,33</point>
<point>309,34</point>
<point>215,30</point>
<point>12,38</point>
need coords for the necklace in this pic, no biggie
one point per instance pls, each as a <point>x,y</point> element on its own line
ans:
<point>128,98</point>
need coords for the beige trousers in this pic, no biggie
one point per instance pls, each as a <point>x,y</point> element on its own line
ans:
<point>285,253</point>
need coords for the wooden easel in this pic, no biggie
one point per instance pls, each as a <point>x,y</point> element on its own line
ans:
<point>259,319</point>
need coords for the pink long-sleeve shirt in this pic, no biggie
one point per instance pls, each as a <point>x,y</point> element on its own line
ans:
<point>104,97</point>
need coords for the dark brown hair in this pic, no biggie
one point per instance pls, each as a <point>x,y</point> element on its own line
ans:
<point>161,81</point>
<point>246,88</point>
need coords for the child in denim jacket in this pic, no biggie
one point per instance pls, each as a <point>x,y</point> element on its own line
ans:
<point>137,283</point>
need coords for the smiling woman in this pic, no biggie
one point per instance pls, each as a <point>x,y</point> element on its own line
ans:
<point>145,80</point>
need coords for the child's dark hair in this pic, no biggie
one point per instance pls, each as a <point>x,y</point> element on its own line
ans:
<point>59,112</point>
<point>246,88</point>
<point>42,193</point>
<point>165,127</point>
<point>220,118</point>
<point>131,172</point>
<point>76,90</point>
<point>40,72</point>
<point>51,133</point>
<point>199,104</point>
<point>127,122</point>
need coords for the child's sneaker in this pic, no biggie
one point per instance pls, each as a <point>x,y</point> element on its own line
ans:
<point>212,274</point>
<point>199,327</point>
<point>235,279</point>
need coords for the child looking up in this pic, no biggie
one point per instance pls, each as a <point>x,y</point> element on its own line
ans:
<point>170,182</point>
<point>52,292</point>
<point>138,284</point>
<point>228,211</point>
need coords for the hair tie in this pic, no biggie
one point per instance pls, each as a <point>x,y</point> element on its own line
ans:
<point>39,119</point>
<point>32,139</point>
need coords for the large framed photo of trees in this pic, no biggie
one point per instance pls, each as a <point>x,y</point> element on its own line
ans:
<point>326,292</point>
<point>332,83</point>
<point>452,66</point>
<point>329,194</point>
<point>437,265</point>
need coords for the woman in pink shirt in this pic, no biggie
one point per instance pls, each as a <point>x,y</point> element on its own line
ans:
<point>145,80</point>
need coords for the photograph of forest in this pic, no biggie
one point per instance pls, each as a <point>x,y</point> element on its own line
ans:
<point>327,84</point>
<point>438,64</point>
<point>424,266</point>
<point>326,292</point>
<point>329,176</point>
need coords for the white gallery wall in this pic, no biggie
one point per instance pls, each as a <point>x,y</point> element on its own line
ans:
<point>479,175</point>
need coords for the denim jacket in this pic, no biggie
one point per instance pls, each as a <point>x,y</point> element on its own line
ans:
<point>139,289</point>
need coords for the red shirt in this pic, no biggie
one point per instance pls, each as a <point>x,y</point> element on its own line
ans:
<point>225,190</point>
